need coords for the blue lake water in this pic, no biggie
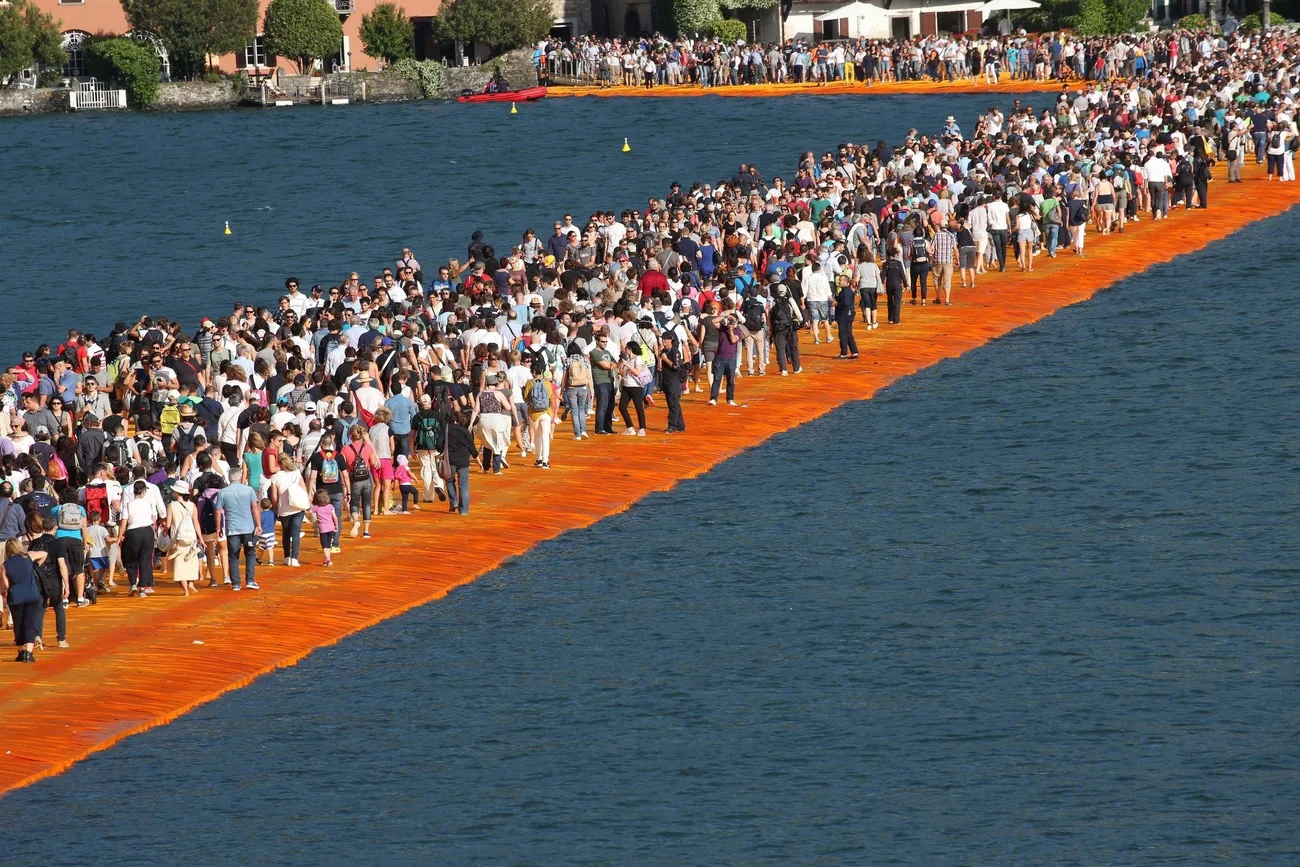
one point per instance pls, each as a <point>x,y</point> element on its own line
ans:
<point>1033,605</point>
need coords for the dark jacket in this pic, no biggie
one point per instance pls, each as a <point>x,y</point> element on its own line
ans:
<point>460,445</point>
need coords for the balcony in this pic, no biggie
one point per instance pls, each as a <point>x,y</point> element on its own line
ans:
<point>345,7</point>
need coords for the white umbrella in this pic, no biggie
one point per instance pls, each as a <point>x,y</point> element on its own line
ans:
<point>1008,5</point>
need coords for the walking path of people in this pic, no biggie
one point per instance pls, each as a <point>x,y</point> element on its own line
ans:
<point>834,88</point>
<point>143,665</point>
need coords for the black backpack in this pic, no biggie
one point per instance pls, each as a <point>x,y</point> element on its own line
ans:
<point>753,310</point>
<point>1185,171</point>
<point>183,439</point>
<point>118,452</point>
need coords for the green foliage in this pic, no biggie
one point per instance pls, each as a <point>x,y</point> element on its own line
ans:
<point>132,64</point>
<point>695,16</point>
<point>303,30</point>
<point>728,30</point>
<point>386,32</point>
<point>1052,15</point>
<point>192,29</point>
<point>501,25</point>
<point>750,4</point>
<point>1101,17</point>
<point>28,36</point>
<point>1251,22</point>
<point>429,73</point>
<point>1193,22</point>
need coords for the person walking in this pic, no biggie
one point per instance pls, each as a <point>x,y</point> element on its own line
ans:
<point>187,535</point>
<point>943,257</point>
<point>920,263</point>
<point>866,274</point>
<point>141,515</point>
<point>784,320</point>
<point>22,592</point>
<point>576,383</point>
<point>673,370</point>
<point>460,451</point>
<point>895,275</point>
<point>634,376</point>
<point>290,502</point>
<point>359,479</point>
<point>603,366</point>
<point>543,400</point>
<point>728,354</point>
<point>844,315</point>
<point>239,515</point>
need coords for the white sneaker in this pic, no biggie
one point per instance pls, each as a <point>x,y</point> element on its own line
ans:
<point>785,373</point>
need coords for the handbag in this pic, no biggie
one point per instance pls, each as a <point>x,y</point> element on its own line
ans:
<point>299,500</point>
<point>443,464</point>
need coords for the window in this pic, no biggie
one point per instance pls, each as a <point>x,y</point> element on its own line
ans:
<point>72,46</point>
<point>254,54</point>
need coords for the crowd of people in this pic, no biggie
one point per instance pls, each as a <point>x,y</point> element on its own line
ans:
<point>655,61</point>
<point>200,454</point>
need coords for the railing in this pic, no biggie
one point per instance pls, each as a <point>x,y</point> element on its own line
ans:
<point>91,94</point>
<point>575,73</point>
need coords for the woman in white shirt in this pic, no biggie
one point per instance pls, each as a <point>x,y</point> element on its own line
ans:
<point>140,516</point>
<point>290,501</point>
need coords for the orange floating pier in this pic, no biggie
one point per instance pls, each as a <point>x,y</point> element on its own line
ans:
<point>139,663</point>
<point>835,88</point>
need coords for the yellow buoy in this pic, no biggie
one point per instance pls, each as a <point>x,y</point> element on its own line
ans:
<point>513,110</point>
<point>227,227</point>
<point>627,148</point>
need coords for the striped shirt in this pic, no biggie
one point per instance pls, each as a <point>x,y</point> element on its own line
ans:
<point>945,246</point>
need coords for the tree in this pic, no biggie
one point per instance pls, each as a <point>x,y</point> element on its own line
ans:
<point>28,36</point>
<point>501,25</point>
<point>386,32</point>
<point>130,63</point>
<point>303,30</point>
<point>192,30</point>
<point>1100,17</point>
<point>695,16</point>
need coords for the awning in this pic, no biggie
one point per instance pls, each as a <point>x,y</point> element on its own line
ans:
<point>852,10</point>
<point>1008,5</point>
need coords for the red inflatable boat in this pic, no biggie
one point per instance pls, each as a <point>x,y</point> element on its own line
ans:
<point>527,94</point>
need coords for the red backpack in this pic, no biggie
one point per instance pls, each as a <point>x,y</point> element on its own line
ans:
<point>97,501</point>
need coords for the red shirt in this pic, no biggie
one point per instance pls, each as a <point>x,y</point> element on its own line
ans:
<point>650,281</point>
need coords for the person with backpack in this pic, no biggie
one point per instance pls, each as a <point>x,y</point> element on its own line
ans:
<point>429,429</point>
<point>920,263</point>
<point>1184,182</point>
<point>184,438</point>
<point>204,489</point>
<point>753,311</point>
<point>784,320</point>
<point>52,575</point>
<point>895,276</point>
<point>71,534</point>
<point>543,411</point>
<point>360,466</point>
<point>576,386</point>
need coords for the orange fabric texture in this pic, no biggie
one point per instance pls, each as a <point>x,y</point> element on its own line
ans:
<point>140,663</point>
<point>834,88</point>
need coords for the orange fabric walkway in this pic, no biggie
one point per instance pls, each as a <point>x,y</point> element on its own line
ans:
<point>835,88</point>
<point>138,663</point>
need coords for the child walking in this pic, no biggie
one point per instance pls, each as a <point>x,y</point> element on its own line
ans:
<point>402,476</point>
<point>326,521</point>
<point>266,538</point>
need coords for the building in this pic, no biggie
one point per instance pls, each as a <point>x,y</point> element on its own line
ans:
<point>893,19</point>
<point>79,19</point>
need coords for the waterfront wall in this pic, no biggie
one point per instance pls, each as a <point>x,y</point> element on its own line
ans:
<point>516,68</point>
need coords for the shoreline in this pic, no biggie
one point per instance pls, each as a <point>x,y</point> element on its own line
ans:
<point>191,96</point>
<point>1005,84</point>
<point>143,664</point>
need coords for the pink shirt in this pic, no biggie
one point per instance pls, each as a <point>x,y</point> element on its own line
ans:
<point>324,517</point>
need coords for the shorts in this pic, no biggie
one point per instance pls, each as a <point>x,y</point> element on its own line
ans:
<point>386,473</point>
<point>819,311</point>
<point>1109,207</point>
<point>97,563</point>
<point>213,538</point>
<point>266,541</point>
<point>708,353</point>
<point>868,295</point>
<point>1025,235</point>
